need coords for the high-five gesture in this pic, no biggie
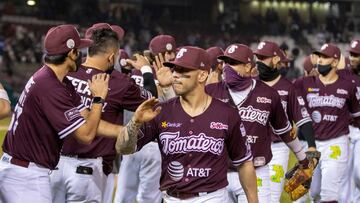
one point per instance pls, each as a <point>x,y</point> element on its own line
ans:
<point>163,73</point>
<point>146,112</point>
<point>139,62</point>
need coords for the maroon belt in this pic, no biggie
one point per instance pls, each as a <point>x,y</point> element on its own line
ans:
<point>19,162</point>
<point>184,195</point>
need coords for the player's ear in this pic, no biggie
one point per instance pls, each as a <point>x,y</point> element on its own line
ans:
<point>248,68</point>
<point>276,59</point>
<point>203,75</point>
<point>73,54</point>
<point>335,63</point>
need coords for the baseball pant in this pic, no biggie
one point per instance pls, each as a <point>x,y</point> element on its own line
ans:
<point>236,192</point>
<point>277,168</point>
<point>19,184</point>
<point>70,184</point>
<point>139,176</point>
<point>219,196</point>
<point>326,181</point>
<point>109,189</point>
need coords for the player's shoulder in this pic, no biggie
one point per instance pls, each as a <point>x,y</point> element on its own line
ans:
<point>264,89</point>
<point>222,105</point>
<point>343,82</point>
<point>215,89</point>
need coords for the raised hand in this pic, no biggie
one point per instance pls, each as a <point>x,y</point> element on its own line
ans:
<point>145,112</point>
<point>99,84</point>
<point>139,62</point>
<point>163,73</point>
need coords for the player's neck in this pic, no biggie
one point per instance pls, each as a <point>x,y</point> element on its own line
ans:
<point>60,70</point>
<point>273,82</point>
<point>96,63</point>
<point>195,103</point>
<point>330,78</point>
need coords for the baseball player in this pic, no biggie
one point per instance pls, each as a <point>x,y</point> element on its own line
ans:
<point>351,183</point>
<point>94,162</point>
<point>216,64</point>
<point>4,103</point>
<point>48,111</point>
<point>331,100</point>
<point>261,111</point>
<point>195,141</point>
<point>270,57</point>
<point>140,172</point>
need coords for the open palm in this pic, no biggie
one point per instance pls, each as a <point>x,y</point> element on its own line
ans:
<point>163,73</point>
<point>146,112</point>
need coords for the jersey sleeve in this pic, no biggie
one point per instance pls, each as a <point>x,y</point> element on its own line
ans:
<point>62,110</point>
<point>278,118</point>
<point>354,102</point>
<point>237,145</point>
<point>297,110</point>
<point>134,96</point>
<point>148,132</point>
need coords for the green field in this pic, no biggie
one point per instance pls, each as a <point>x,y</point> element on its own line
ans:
<point>5,122</point>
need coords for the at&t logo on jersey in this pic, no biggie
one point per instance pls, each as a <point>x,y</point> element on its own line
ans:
<point>174,144</point>
<point>218,125</point>
<point>263,100</point>
<point>175,170</point>
<point>251,114</point>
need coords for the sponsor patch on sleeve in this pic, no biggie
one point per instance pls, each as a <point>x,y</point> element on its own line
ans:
<point>72,114</point>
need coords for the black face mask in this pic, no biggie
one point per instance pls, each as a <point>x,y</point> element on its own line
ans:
<point>283,71</point>
<point>267,73</point>
<point>324,69</point>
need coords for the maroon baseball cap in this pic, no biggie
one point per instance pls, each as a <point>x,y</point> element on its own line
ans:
<point>119,31</point>
<point>238,52</point>
<point>355,46</point>
<point>329,50</point>
<point>214,53</point>
<point>307,65</point>
<point>192,58</point>
<point>62,39</point>
<point>123,57</point>
<point>162,44</point>
<point>270,49</point>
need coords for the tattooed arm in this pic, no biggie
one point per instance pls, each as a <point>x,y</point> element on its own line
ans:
<point>127,139</point>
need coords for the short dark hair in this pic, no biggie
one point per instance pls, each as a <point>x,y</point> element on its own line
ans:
<point>103,39</point>
<point>55,59</point>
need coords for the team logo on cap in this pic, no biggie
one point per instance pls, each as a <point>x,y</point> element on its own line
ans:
<point>70,43</point>
<point>354,44</point>
<point>324,47</point>
<point>123,62</point>
<point>261,45</point>
<point>232,49</point>
<point>181,53</point>
<point>168,46</point>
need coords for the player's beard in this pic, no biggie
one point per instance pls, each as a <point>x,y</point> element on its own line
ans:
<point>77,63</point>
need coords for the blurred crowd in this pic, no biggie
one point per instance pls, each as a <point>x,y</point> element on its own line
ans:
<point>21,48</point>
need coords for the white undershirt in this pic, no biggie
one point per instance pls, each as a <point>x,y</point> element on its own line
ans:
<point>239,96</point>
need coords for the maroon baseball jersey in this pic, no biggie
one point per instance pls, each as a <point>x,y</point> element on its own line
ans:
<point>348,74</point>
<point>330,106</point>
<point>261,112</point>
<point>138,77</point>
<point>293,104</point>
<point>195,150</point>
<point>123,94</point>
<point>47,112</point>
